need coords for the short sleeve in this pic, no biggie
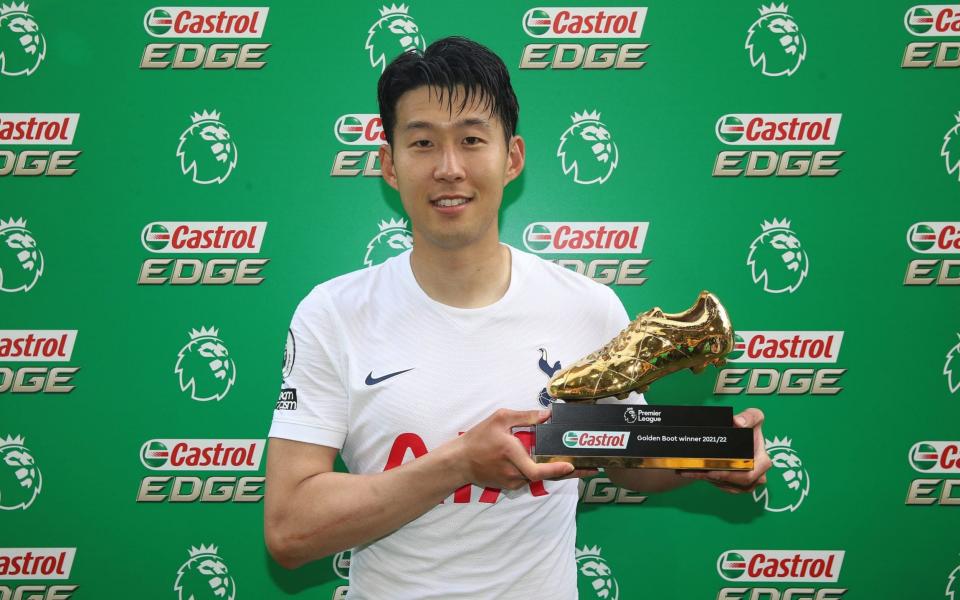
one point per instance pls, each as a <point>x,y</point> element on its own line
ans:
<point>313,401</point>
<point>617,319</point>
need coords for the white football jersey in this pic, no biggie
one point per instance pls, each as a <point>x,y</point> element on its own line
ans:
<point>385,374</point>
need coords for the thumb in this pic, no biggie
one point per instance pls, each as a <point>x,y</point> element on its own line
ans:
<point>519,418</point>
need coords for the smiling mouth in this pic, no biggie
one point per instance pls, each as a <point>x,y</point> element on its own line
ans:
<point>450,202</point>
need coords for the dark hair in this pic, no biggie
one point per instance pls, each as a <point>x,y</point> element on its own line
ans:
<point>448,64</point>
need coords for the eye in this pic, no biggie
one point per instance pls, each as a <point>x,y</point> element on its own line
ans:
<point>421,144</point>
<point>472,140</point>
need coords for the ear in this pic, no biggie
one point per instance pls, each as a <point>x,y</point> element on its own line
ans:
<point>387,168</point>
<point>516,158</point>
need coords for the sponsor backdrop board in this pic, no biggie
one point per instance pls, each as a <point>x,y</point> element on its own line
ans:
<point>173,180</point>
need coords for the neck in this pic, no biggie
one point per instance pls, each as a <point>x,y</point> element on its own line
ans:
<point>470,277</point>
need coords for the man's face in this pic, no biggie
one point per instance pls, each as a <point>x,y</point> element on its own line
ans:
<point>450,167</point>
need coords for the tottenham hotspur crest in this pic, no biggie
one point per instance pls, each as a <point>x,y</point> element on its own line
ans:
<point>775,43</point>
<point>950,151</point>
<point>393,34</point>
<point>20,479</point>
<point>205,367</point>
<point>777,259</point>
<point>204,576</point>
<point>206,151</point>
<point>21,262</point>
<point>788,482</point>
<point>22,46</point>
<point>394,238</point>
<point>587,149</point>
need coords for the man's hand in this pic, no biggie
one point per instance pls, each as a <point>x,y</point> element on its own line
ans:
<point>738,482</point>
<point>489,455</point>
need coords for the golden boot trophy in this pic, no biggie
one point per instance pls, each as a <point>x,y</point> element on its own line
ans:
<point>654,345</point>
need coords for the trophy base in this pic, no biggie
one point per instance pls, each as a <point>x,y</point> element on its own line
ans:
<point>640,462</point>
<point>592,444</point>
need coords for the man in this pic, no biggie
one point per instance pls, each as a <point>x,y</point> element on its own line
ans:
<point>416,370</point>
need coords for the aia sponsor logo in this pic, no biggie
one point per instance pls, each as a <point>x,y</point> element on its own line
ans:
<point>787,566</point>
<point>202,455</point>
<point>777,259</point>
<point>393,239</point>
<point>770,129</point>
<point>358,130</point>
<point>36,346</point>
<point>934,237</point>
<point>202,237</point>
<point>202,23</point>
<point>788,482</point>
<point>36,564</point>
<point>207,151</point>
<point>592,237</point>
<point>932,20</point>
<point>20,478</point>
<point>782,347</point>
<point>595,579</point>
<point>393,33</point>
<point>205,575</point>
<point>22,45</point>
<point>21,260</point>
<point>205,369</point>
<point>935,458</point>
<point>38,129</point>
<point>587,150</point>
<point>774,42</point>
<point>579,22</point>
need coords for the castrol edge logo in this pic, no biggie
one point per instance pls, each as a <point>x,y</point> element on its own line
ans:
<point>36,563</point>
<point>767,129</point>
<point>36,345</point>
<point>936,457</point>
<point>933,20</point>
<point>595,439</point>
<point>585,237</point>
<point>584,22</point>
<point>934,237</point>
<point>806,566</point>
<point>786,347</point>
<point>203,237</point>
<point>202,455</point>
<point>205,22</point>
<point>359,130</point>
<point>34,129</point>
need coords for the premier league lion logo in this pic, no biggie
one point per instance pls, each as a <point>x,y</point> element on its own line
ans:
<point>205,367</point>
<point>393,239</point>
<point>953,593</point>
<point>777,259</point>
<point>588,150</point>
<point>952,368</point>
<point>950,151</point>
<point>20,480</point>
<point>788,483</point>
<point>21,262</point>
<point>775,42</point>
<point>595,579</point>
<point>395,33</point>
<point>206,150</point>
<point>22,46</point>
<point>204,576</point>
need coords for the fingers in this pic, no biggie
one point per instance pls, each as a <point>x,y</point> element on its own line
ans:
<point>520,418</point>
<point>578,474</point>
<point>533,471</point>
<point>752,417</point>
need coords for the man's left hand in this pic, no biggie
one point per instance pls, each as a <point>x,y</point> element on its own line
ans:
<point>738,482</point>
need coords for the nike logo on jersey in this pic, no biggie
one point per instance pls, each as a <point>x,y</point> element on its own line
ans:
<point>371,380</point>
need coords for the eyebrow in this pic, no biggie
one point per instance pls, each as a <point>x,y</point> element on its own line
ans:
<point>471,122</point>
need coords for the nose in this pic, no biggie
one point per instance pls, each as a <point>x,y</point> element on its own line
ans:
<point>450,169</point>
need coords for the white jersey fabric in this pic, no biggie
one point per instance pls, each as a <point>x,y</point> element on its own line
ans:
<point>384,373</point>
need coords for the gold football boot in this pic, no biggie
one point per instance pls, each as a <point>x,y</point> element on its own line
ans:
<point>654,345</point>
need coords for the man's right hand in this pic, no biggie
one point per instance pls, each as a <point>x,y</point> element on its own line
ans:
<point>489,455</point>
